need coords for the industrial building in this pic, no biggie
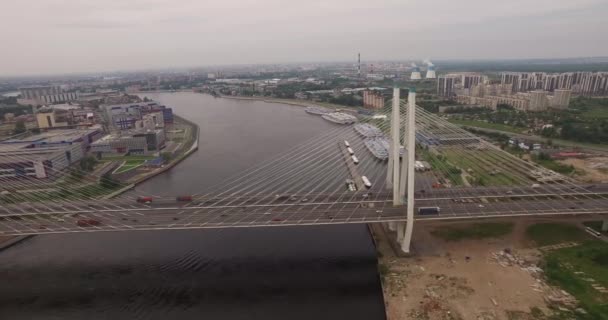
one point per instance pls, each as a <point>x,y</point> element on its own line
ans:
<point>132,142</point>
<point>126,116</point>
<point>51,118</point>
<point>44,155</point>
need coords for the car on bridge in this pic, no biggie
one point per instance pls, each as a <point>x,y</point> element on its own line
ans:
<point>428,210</point>
<point>144,199</point>
<point>88,222</point>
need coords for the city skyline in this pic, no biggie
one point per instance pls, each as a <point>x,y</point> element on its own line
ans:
<point>72,37</point>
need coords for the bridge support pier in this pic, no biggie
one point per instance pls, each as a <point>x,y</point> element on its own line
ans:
<point>410,141</point>
<point>400,232</point>
<point>392,226</point>
<point>394,165</point>
<point>605,225</point>
<point>400,176</point>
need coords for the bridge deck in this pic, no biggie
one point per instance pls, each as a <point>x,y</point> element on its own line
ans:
<point>268,215</point>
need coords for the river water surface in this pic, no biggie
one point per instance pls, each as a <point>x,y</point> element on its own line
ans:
<point>321,272</point>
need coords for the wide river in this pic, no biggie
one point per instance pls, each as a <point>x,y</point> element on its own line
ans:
<point>321,272</point>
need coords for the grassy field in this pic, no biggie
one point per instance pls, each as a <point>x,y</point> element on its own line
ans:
<point>486,167</point>
<point>596,113</point>
<point>473,231</point>
<point>487,125</point>
<point>593,108</point>
<point>575,269</point>
<point>555,166</point>
<point>442,166</point>
<point>544,234</point>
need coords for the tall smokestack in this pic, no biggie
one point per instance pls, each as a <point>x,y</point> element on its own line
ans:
<point>359,65</point>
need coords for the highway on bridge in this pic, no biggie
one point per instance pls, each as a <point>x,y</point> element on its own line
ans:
<point>291,210</point>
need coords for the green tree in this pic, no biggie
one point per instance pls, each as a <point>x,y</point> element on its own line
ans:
<point>88,163</point>
<point>20,127</point>
<point>76,174</point>
<point>108,182</point>
<point>166,156</point>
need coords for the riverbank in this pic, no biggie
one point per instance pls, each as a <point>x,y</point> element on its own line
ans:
<point>295,102</point>
<point>193,147</point>
<point>9,241</point>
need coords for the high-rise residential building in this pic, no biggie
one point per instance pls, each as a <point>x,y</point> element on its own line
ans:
<point>39,95</point>
<point>538,100</point>
<point>511,78</point>
<point>482,90</point>
<point>373,99</point>
<point>35,92</point>
<point>561,98</point>
<point>445,85</point>
<point>585,83</point>
<point>470,79</point>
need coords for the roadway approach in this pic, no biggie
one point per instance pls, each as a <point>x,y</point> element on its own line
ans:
<point>295,210</point>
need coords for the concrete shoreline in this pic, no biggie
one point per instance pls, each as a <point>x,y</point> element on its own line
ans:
<point>167,167</point>
<point>174,162</point>
<point>12,241</point>
<point>273,100</point>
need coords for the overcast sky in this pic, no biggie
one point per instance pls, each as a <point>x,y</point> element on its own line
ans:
<point>64,36</point>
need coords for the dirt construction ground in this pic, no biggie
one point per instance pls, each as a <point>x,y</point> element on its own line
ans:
<point>467,279</point>
<point>591,170</point>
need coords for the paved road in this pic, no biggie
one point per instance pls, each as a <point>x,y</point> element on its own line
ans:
<point>429,197</point>
<point>287,213</point>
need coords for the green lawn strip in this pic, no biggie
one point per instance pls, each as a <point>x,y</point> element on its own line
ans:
<point>596,113</point>
<point>128,158</point>
<point>572,268</point>
<point>130,164</point>
<point>555,166</point>
<point>473,231</point>
<point>544,234</point>
<point>487,125</point>
<point>126,168</point>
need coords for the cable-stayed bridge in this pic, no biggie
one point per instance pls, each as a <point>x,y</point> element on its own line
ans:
<point>312,183</point>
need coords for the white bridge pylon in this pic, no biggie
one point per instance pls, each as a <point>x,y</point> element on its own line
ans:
<point>400,175</point>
